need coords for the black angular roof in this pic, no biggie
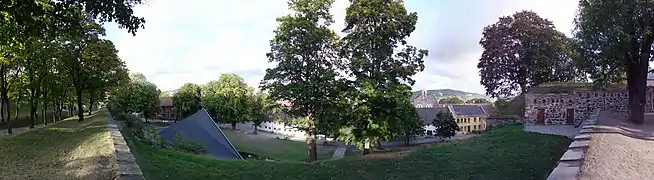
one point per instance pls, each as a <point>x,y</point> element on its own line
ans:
<point>468,110</point>
<point>427,115</point>
<point>201,128</point>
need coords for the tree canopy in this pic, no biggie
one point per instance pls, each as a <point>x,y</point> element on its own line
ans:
<point>445,125</point>
<point>524,50</point>
<point>478,101</point>
<point>451,100</point>
<point>615,44</point>
<point>230,101</point>
<point>187,100</point>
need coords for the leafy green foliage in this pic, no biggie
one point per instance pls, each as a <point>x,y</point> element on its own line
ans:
<point>381,64</point>
<point>263,108</point>
<point>524,50</point>
<point>407,122</point>
<point>231,100</point>
<point>137,97</point>
<point>445,125</point>
<point>478,101</point>
<point>187,146</point>
<point>187,100</point>
<point>304,49</point>
<point>451,100</point>
<point>615,43</point>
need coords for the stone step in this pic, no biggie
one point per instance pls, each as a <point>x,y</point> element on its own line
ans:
<point>582,137</point>
<point>573,155</point>
<point>565,171</point>
<point>585,131</point>
<point>579,144</point>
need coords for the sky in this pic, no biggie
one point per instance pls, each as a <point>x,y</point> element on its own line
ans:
<point>197,40</point>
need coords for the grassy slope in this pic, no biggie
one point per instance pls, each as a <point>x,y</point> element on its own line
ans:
<point>67,150</point>
<point>274,148</point>
<point>504,153</point>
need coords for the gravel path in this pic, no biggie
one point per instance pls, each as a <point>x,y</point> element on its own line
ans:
<point>620,150</point>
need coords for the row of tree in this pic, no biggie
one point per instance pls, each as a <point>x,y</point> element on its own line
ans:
<point>612,43</point>
<point>52,55</point>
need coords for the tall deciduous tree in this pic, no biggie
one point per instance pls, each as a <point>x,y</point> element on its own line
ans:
<point>137,97</point>
<point>381,64</point>
<point>521,51</point>
<point>187,100</point>
<point>231,102</point>
<point>615,40</point>
<point>406,122</point>
<point>304,50</point>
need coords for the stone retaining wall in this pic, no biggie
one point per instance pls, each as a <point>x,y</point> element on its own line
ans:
<point>128,169</point>
<point>583,101</point>
<point>570,163</point>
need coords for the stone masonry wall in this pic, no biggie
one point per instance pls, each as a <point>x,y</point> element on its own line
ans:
<point>583,101</point>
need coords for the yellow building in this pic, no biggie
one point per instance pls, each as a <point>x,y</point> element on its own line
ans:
<point>469,117</point>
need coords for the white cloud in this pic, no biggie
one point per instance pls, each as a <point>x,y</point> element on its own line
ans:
<point>197,40</point>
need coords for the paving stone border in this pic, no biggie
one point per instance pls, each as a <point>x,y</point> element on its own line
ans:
<point>128,169</point>
<point>571,161</point>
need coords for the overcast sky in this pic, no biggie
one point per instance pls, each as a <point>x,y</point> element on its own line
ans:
<point>197,40</point>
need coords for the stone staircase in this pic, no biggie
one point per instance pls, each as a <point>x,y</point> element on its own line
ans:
<point>570,163</point>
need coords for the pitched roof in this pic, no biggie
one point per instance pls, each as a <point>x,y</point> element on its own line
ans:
<point>427,115</point>
<point>165,101</point>
<point>468,110</point>
<point>200,128</point>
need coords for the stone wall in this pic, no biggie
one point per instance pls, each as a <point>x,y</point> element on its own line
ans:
<point>583,101</point>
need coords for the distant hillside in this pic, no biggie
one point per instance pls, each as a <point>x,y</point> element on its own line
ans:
<point>441,93</point>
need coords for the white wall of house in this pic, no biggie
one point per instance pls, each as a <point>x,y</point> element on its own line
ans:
<point>280,128</point>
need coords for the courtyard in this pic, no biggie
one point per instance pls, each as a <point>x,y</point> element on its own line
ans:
<point>503,153</point>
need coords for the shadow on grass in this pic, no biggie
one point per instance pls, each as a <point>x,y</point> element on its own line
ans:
<point>67,150</point>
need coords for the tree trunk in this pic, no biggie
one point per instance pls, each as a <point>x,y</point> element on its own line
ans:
<point>313,153</point>
<point>44,109</point>
<point>408,138</point>
<point>90,102</point>
<point>5,97</point>
<point>80,109</point>
<point>366,146</point>
<point>233,126</point>
<point>255,130</point>
<point>32,106</point>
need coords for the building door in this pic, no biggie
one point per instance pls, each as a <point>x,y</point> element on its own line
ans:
<point>571,117</point>
<point>540,117</point>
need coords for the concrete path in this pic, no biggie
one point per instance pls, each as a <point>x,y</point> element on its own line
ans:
<point>426,140</point>
<point>569,131</point>
<point>619,149</point>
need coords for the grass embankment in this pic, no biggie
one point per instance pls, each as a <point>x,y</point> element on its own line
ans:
<point>277,149</point>
<point>66,150</point>
<point>503,153</point>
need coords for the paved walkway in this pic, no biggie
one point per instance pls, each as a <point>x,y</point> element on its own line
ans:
<point>569,131</point>
<point>620,149</point>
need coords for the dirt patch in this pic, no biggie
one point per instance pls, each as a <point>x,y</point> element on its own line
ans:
<point>621,150</point>
<point>388,155</point>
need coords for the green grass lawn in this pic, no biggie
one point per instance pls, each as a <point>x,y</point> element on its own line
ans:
<point>277,149</point>
<point>503,153</point>
<point>66,150</point>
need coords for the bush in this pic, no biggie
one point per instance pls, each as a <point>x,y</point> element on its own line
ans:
<point>188,146</point>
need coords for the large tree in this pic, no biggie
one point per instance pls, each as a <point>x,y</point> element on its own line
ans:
<point>615,40</point>
<point>187,100</point>
<point>521,51</point>
<point>304,49</point>
<point>406,122</point>
<point>231,102</point>
<point>137,97</point>
<point>381,64</point>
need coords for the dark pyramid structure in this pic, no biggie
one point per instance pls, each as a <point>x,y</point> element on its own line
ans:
<point>201,128</point>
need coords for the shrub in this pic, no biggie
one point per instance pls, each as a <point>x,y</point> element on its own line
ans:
<point>188,146</point>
